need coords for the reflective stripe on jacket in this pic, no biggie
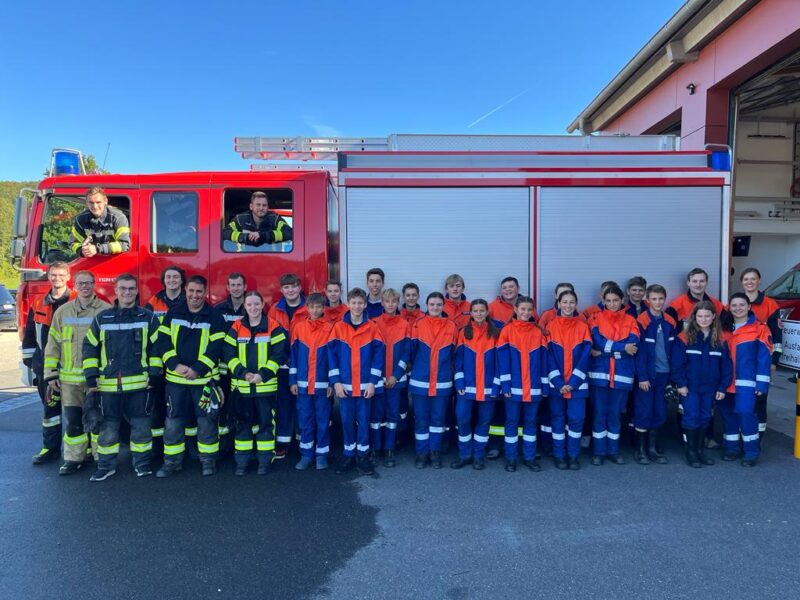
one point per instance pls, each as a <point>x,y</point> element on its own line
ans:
<point>63,356</point>
<point>257,349</point>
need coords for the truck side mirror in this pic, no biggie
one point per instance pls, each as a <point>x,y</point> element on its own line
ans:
<point>20,227</point>
<point>17,248</point>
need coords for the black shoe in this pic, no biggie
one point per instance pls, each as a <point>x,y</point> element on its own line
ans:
<point>479,464</point>
<point>69,467</point>
<point>493,454</point>
<point>692,442</point>
<point>364,466</point>
<point>45,456</point>
<point>597,461</point>
<point>264,468</point>
<point>560,463</point>
<point>641,448</point>
<point>374,458</point>
<point>389,460</point>
<point>345,465</point>
<point>102,474</point>
<point>749,462</point>
<point>616,459</point>
<point>241,470</point>
<point>143,471</point>
<point>731,456</point>
<point>209,468</point>
<point>511,466</point>
<point>460,463</point>
<point>436,459</point>
<point>421,461</point>
<point>533,465</point>
<point>574,464</point>
<point>654,448</point>
<point>167,470</point>
<point>701,451</point>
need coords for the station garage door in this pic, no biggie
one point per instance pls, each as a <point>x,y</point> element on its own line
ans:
<point>425,234</point>
<point>589,235</point>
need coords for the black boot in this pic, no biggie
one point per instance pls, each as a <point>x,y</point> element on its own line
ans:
<point>693,437</point>
<point>653,448</point>
<point>641,448</point>
<point>700,447</point>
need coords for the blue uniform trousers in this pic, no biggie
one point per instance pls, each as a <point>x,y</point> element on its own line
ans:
<point>472,440</point>
<point>739,416</point>
<point>354,412</point>
<point>697,409</point>
<point>528,411</point>
<point>567,415</point>
<point>650,408</point>
<point>429,414</point>
<point>284,410</point>
<point>384,416</point>
<point>607,405</point>
<point>314,419</point>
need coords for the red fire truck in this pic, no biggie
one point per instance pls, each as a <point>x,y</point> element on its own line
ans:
<point>541,208</point>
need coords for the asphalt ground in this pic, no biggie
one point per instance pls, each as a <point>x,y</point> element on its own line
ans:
<point>660,531</point>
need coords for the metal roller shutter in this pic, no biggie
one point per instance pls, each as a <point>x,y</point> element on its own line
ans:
<point>425,234</point>
<point>589,235</point>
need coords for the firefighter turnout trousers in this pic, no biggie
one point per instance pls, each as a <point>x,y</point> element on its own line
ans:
<point>76,438</point>
<point>134,408</point>
<point>183,405</point>
<point>255,430</point>
<point>51,418</point>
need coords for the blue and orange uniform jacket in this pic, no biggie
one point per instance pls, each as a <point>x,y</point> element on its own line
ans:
<point>356,355</point>
<point>680,308</point>
<point>476,365</point>
<point>457,310</point>
<point>750,348</point>
<point>645,359</point>
<point>611,331</point>
<point>334,314</point>
<point>396,334</point>
<point>551,313</point>
<point>592,310</point>
<point>700,366</point>
<point>569,348</point>
<point>433,348</point>
<point>308,362</point>
<point>279,312</point>
<point>522,361</point>
<point>768,312</point>
<point>631,309</point>
<point>503,312</point>
<point>412,316</point>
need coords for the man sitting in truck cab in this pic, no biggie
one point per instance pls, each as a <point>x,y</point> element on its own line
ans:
<point>100,229</point>
<point>259,225</point>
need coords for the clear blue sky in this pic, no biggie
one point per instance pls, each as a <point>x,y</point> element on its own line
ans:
<point>169,84</point>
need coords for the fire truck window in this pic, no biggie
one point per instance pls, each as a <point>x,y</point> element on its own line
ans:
<point>275,232</point>
<point>174,223</point>
<point>59,213</point>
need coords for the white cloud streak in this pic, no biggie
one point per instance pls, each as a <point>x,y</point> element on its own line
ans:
<point>496,108</point>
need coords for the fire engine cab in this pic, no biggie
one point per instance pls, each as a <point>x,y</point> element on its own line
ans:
<point>540,208</point>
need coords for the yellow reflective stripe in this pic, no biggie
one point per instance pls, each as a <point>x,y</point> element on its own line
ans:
<point>78,440</point>
<point>53,333</point>
<point>71,377</point>
<point>113,449</point>
<point>173,377</point>
<point>207,361</point>
<point>272,366</point>
<point>92,339</point>
<point>204,337</point>
<point>190,431</point>
<point>51,362</point>
<point>157,432</point>
<point>173,449</point>
<point>120,231</point>
<point>497,430</point>
<point>265,446</point>
<point>114,247</point>
<point>103,356</point>
<point>208,448</point>
<point>88,363</point>
<point>156,362</point>
<point>79,237</point>
<point>243,446</point>
<point>230,340</point>
<point>216,336</point>
<point>144,350</point>
<point>262,355</point>
<point>146,447</point>
<point>223,430</point>
<point>277,339</point>
<point>233,363</point>
<point>255,429</point>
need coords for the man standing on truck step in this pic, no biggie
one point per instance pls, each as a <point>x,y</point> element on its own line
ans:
<point>173,278</point>
<point>232,310</point>
<point>119,361</point>
<point>259,225</point>
<point>100,229</point>
<point>34,340</point>
<point>190,344</point>
<point>63,367</point>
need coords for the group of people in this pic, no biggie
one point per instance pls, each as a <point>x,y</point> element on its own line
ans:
<point>191,377</point>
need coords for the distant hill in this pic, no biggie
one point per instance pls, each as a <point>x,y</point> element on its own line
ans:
<point>8,192</point>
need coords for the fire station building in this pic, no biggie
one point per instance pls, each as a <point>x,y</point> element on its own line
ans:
<point>724,72</point>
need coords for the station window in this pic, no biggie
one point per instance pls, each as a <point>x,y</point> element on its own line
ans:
<point>274,209</point>
<point>59,213</point>
<point>174,223</point>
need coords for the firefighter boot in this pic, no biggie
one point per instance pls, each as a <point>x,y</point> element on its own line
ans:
<point>692,440</point>
<point>641,448</point>
<point>653,448</point>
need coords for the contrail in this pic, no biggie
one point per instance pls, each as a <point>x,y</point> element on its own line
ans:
<point>494,110</point>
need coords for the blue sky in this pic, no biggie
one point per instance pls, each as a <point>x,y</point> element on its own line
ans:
<point>169,84</point>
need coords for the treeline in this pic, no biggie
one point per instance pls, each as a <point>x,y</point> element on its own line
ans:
<point>8,192</point>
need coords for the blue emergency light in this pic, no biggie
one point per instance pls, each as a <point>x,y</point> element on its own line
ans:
<point>66,162</point>
<point>719,159</point>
